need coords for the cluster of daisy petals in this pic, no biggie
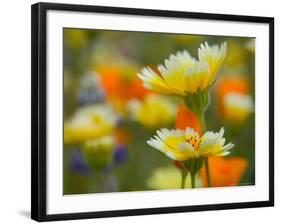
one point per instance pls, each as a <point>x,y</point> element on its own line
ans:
<point>182,145</point>
<point>183,74</point>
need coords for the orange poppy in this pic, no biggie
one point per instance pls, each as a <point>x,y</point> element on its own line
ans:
<point>224,172</point>
<point>230,84</point>
<point>186,118</point>
<point>120,86</point>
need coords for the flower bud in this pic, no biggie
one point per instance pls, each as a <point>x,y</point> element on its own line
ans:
<point>98,153</point>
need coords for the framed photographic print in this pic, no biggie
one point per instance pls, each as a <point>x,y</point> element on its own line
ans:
<point>139,111</point>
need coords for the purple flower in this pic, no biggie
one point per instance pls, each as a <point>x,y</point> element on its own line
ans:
<point>120,154</point>
<point>78,164</point>
<point>87,97</point>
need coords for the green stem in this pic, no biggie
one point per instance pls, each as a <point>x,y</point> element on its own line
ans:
<point>201,118</point>
<point>208,172</point>
<point>192,176</point>
<point>183,177</point>
<point>199,110</point>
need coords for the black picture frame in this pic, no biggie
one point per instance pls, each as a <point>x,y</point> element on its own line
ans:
<point>39,116</point>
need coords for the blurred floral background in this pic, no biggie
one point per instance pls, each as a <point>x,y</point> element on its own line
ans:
<point>109,114</point>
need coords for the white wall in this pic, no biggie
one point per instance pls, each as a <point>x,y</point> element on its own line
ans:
<point>15,110</point>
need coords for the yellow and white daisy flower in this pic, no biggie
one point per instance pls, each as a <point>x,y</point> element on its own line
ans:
<point>214,57</point>
<point>89,122</point>
<point>237,107</point>
<point>182,145</point>
<point>153,112</point>
<point>183,74</point>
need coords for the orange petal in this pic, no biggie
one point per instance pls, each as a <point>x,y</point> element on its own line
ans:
<point>122,136</point>
<point>111,82</point>
<point>225,172</point>
<point>116,86</point>
<point>186,118</point>
<point>136,90</point>
<point>230,84</point>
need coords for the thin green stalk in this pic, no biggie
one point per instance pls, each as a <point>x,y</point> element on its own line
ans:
<point>201,118</point>
<point>192,176</point>
<point>183,178</point>
<point>208,172</point>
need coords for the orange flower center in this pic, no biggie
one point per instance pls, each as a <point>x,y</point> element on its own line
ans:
<point>194,141</point>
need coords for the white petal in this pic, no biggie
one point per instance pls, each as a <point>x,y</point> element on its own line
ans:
<point>228,147</point>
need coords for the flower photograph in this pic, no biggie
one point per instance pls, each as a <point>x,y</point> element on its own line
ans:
<point>150,111</point>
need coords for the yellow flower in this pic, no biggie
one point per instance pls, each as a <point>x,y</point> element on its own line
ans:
<point>89,122</point>
<point>183,74</point>
<point>184,145</point>
<point>237,107</point>
<point>153,112</point>
<point>169,178</point>
<point>98,153</point>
